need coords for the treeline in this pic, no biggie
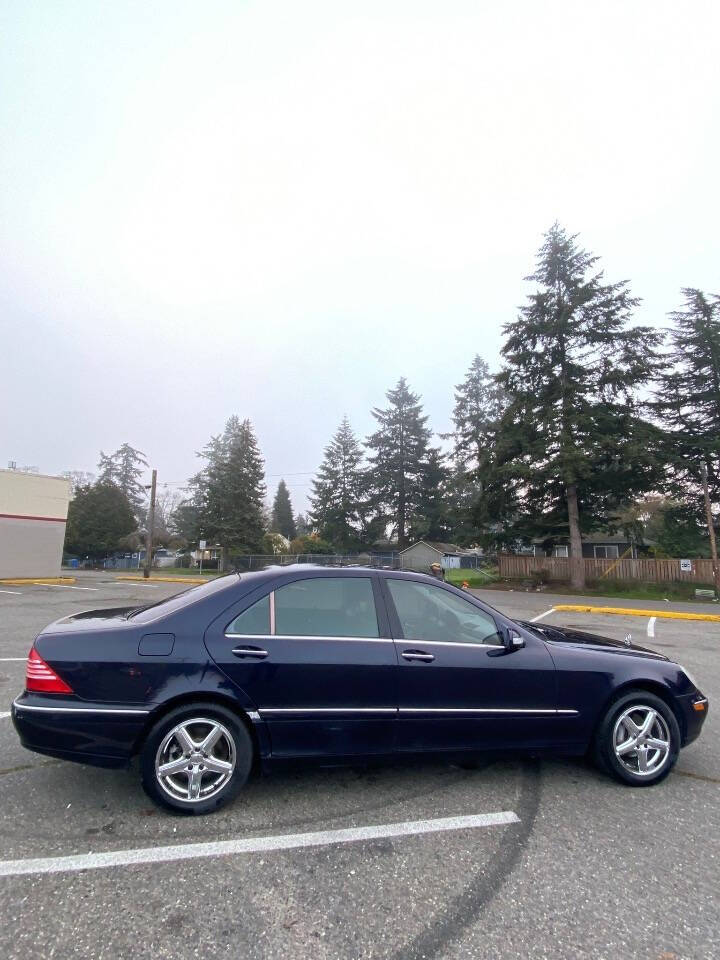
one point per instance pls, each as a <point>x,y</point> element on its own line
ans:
<point>592,423</point>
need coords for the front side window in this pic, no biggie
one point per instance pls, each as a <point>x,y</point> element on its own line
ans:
<point>430,613</point>
<point>326,607</point>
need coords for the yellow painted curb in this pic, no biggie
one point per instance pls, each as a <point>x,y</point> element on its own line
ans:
<point>169,579</point>
<point>628,612</point>
<point>23,581</point>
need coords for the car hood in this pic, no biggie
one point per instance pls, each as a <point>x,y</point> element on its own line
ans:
<point>604,644</point>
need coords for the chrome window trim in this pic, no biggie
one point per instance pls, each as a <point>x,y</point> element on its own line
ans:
<point>297,636</point>
<point>452,643</point>
<point>272,613</point>
<point>28,706</point>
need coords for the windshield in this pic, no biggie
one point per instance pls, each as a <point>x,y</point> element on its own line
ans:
<point>164,607</point>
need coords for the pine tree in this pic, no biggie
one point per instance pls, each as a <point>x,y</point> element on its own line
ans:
<point>99,517</point>
<point>228,494</point>
<point>573,447</point>
<point>432,518</point>
<point>338,495</point>
<point>400,448</point>
<point>282,519</point>
<point>124,468</point>
<point>688,399</point>
<point>479,405</point>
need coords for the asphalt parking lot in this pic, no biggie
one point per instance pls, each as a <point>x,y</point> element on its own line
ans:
<point>584,868</point>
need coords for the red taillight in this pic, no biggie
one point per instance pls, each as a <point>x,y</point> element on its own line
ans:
<point>42,678</point>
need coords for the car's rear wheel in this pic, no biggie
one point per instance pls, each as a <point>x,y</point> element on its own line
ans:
<point>196,758</point>
<point>638,740</point>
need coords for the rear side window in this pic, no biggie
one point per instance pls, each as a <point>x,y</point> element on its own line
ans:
<point>255,621</point>
<point>326,607</point>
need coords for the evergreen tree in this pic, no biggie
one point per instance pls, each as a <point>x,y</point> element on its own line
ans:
<point>479,405</point>
<point>124,468</point>
<point>301,525</point>
<point>338,495</point>
<point>400,448</point>
<point>688,399</point>
<point>99,517</point>
<point>432,519</point>
<point>573,447</point>
<point>228,494</point>
<point>282,520</point>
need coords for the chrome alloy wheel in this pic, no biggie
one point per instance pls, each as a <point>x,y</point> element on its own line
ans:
<point>641,740</point>
<point>195,760</point>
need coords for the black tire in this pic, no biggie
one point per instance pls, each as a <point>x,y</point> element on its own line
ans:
<point>234,745</point>
<point>604,747</point>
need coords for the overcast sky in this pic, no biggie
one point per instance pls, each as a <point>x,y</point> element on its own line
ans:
<point>277,209</point>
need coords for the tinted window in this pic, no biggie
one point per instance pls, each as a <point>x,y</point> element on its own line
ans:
<point>184,599</point>
<point>254,621</point>
<point>431,613</point>
<point>326,607</point>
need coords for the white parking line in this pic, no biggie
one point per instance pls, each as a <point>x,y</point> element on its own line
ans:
<point>65,586</point>
<point>288,841</point>
<point>18,592</point>
<point>4,714</point>
<point>12,659</point>
<point>651,626</point>
<point>541,616</point>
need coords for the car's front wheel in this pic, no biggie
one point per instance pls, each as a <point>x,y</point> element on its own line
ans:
<point>196,758</point>
<point>638,740</point>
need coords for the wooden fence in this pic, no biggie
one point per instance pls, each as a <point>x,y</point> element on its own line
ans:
<point>512,567</point>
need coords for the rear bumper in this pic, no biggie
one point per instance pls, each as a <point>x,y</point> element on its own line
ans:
<point>102,735</point>
<point>693,716</point>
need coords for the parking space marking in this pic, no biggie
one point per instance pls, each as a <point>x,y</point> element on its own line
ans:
<point>65,586</point>
<point>651,626</point>
<point>17,592</point>
<point>541,616</point>
<point>12,659</point>
<point>288,841</point>
<point>4,714</point>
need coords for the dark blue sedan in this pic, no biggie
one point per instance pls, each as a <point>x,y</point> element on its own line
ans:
<point>334,665</point>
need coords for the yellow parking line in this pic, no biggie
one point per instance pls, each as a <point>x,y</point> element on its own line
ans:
<point>169,579</point>
<point>20,581</point>
<point>628,612</point>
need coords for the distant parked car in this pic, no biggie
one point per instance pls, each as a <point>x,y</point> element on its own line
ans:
<point>333,665</point>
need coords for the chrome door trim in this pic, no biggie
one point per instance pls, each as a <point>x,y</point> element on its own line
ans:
<point>265,711</point>
<point>513,710</point>
<point>414,710</point>
<point>27,706</point>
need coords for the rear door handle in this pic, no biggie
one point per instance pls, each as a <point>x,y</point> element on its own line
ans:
<point>257,652</point>
<point>418,655</point>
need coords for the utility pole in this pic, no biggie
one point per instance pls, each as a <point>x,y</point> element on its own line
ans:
<point>711,531</point>
<point>150,526</point>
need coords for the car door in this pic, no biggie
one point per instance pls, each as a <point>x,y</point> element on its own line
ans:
<point>459,687</point>
<point>316,657</point>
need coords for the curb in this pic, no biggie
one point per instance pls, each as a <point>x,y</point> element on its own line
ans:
<point>24,581</point>
<point>168,579</point>
<point>629,612</point>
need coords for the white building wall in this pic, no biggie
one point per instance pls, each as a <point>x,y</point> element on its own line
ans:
<point>33,511</point>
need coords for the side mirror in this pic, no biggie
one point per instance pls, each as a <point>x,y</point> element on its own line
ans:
<point>512,639</point>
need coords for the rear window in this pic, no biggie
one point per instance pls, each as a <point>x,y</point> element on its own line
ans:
<point>165,607</point>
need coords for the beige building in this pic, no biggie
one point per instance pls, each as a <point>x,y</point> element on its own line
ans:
<point>33,511</point>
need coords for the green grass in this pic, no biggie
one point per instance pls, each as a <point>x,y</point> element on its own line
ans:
<point>620,589</point>
<point>475,578</point>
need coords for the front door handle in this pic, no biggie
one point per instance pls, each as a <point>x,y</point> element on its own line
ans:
<point>257,652</point>
<point>418,655</point>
